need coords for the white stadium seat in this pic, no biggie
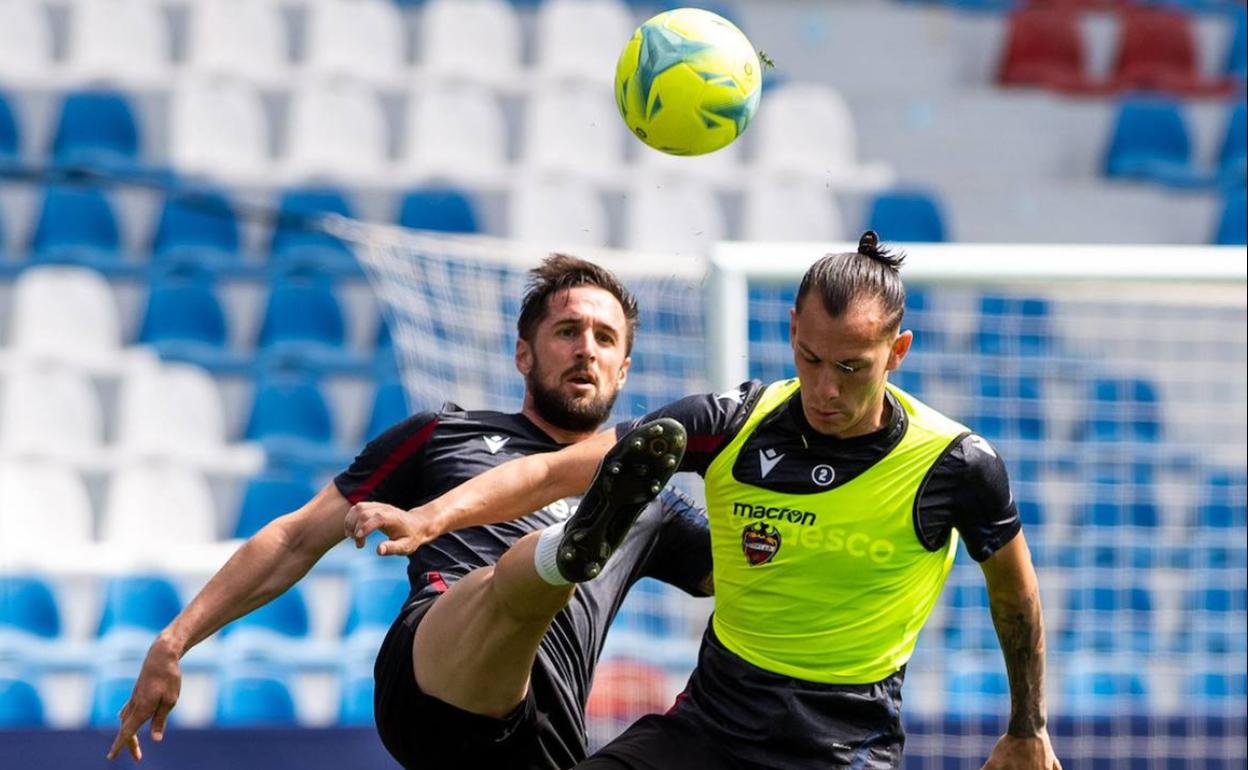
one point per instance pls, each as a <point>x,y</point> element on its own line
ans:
<point>218,128</point>
<point>807,130</point>
<point>336,131</point>
<point>242,38</point>
<point>50,412</point>
<point>455,132</point>
<point>673,216</point>
<point>66,314</point>
<point>721,169</point>
<point>45,513</point>
<point>558,213</point>
<point>797,211</point>
<point>474,40</point>
<point>122,41</point>
<point>575,130</point>
<point>26,40</point>
<point>152,507</point>
<point>582,39</point>
<point>363,39</point>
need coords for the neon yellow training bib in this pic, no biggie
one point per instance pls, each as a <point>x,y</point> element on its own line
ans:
<point>832,586</point>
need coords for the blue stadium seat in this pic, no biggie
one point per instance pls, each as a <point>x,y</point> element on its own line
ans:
<point>385,363</point>
<point>376,599</point>
<point>439,208</point>
<point>1237,52</point>
<point>10,135</point>
<point>1122,410</point>
<point>304,329</point>
<point>1215,622</point>
<point>28,605</point>
<point>909,379</point>
<point>97,130</point>
<point>1233,156</point>
<point>968,625</point>
<point>1013,326</point>
<point>1222,503</point>
<point>1009,408</point>
<point>269,496</point>
<point>1216,691</point>
<point>184,321</point>
<point>77,226</point>
<point>109,693</point>
<point>1233,223</point>
<point>286,615</point>
<point>144,602</point>
<point>356,704</point>
<point>389,408</point>
<point>20,704</point>
<point>978,693</point>
<point>254,698</point>
<point>1112,505</point>
<point>197,232</point>
<point>1115,689</point>
<point>922,319</point>
<point>1151,143</point>
<point>299,246</point>
<point>1109,619</point>
<point>291,419</point>
<point>645,611</point>
<point>907,215</point>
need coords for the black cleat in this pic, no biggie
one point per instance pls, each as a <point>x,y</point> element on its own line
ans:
<point>632,474</point>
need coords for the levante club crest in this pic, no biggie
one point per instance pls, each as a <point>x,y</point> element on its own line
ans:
<point>760,542</point>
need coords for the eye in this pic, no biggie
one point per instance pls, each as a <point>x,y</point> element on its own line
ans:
<point>847,369</point>
<point>606,339</point>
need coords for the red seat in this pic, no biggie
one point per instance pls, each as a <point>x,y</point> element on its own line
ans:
<point>1044,48</point>
<point>1158,52</point>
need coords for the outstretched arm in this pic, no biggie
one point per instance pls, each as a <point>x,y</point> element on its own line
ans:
<point>502,493</point>
<point>1014,598</point>
<point>269,563</point>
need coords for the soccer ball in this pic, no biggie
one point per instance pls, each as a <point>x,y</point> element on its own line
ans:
<point>688,82</point>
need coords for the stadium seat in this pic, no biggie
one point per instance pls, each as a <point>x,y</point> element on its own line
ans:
<point>217,128</point>
<point>268,496</point>
<point>290,418</point>
<point>356,703</point>
<point>558,213</point>
<point>1013,326</point>
<point>28,485</point>
<point>1215,691</point>
<point>238,38</point>
<point>20,704</point>
<point>677,217</point>
<point>1215,622</point>
<point>490,54</point>
<point>197,232</point>
<point>1009,407</point>
<point>117,41</point>
<point>722,169</point>
<point>184,322</point>
<point>254,698</point>
<point>807,130</point>
<point>360,39</point>
<point>1221,502</point>
<point>978,692</point>
<point>1157,51</point>
<point>66,314</point>
<point>455,133</point>
<point>50,413</point>
<point>1233,155</point>
<point>1109,619</point>
<point>376,600</point>
<point>287,616</point>
<point>574,130</point>
<point>1237,52</point>
<point>142,602</point>
<point>77,226</point>
<point>1105,687</point>
<point>911,216</point>
<point>10,138</point>
<point>1233,223</point>
<point>1122,410</point>
<point>156,508</point>
<point>791,212</point>
<point>27,41</point>
<point>1151,143</point>
<point>445,209</point>
<point>580,39</point>
<point>28,605</point>
<point>389,408</point>
<point>299,246</point>
<point>336,132</point>
<point>968,622</point>
<point>303,328</point>
<point>1045,48</point>
<point>110,691</point>
<point>1114,505</point>
<point>646,612</point>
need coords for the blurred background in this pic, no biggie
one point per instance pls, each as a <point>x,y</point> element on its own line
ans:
<point>186,351</point>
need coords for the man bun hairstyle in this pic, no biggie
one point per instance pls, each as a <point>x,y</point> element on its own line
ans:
<point>561,271</point>
<point>872,272</point>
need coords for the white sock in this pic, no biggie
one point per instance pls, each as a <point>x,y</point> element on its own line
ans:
<point>545,556</point>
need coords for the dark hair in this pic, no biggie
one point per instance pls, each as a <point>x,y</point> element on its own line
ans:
<point>560,271</point>
<point>872,272</point>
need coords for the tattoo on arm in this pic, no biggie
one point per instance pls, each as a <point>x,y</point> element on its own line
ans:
<point>1020,629</point>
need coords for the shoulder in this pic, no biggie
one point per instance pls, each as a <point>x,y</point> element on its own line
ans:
<point>976,469</point>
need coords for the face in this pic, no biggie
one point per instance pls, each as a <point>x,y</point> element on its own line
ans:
<point>577,360</point>
<point>843,363</point>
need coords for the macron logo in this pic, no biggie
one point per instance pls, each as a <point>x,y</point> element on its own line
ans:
<point>980,444</point>
<point>495,443</point>
<point>768,459</point>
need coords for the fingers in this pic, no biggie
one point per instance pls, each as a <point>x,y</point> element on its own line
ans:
<point>159,719</point>
<point>400,547</point>
<point>127,736</point>
<point>365,518</point>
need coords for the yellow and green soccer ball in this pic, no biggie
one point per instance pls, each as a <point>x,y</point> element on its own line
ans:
<point>688,82</point>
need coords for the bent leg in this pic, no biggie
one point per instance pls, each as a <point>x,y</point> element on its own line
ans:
<point>476,646</point>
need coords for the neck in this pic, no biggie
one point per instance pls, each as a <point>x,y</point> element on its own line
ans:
<point>560,435</point>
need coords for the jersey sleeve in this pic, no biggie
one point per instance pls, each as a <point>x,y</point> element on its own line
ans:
<point>968,489</point>
<point>710,419</point>
<point>682,556</point>
<point>389,469</point>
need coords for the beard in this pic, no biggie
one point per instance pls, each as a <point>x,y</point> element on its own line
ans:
<point>578,415</point>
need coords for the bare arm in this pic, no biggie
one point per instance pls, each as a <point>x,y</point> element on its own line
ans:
<point>1014,598</point>
<point>270,562</point>
<point>505,492</point>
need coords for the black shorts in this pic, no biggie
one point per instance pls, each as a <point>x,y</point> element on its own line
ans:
<point>425,733</point>
<point>736,716</point>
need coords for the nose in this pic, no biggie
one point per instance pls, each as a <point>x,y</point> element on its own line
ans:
<point>829,384</point>
<point>586,346</point>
